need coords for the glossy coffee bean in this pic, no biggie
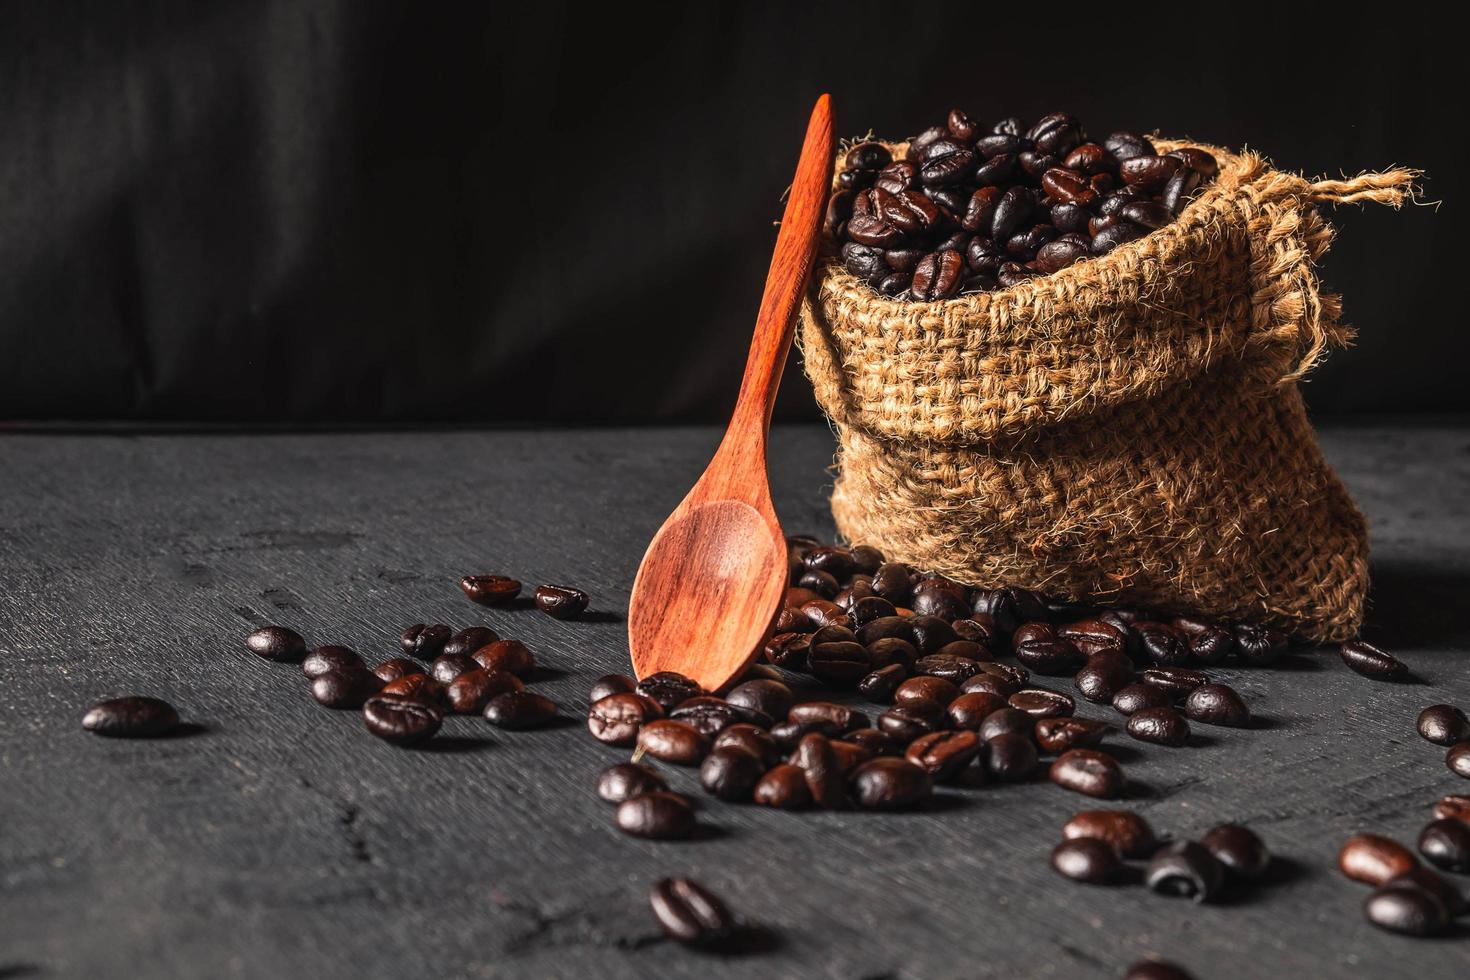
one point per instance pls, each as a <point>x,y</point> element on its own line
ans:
<point>749,738</point>
<point>907,722</point>
<point>943,754</point>
<point>1259,645</point>
<point>1103,676</point>
<point>668,689</point>
<point>969,711</point>
<point>1371,662</point>
<point>784,788</point>
<point>689,913</point>
<point>886,783</point>
<point>1185,869</point>
<point>1161,643</point>
<point>954,669</point>
<point>1443,724</point>
<point>1157,970</point>
<point>1177,682</point>
<point>1455,806</point>
<point>609,684</point>
<point>1446,844</point>
<point>1095,636</point>
<point>402,719</point>
<point>1057,735</point>
<point>1053,658</point>
<point>626,779</point>
<point>1040,703</point>
<point>519,710</point>
<point>1138,697</point>
<point>769,697</point>
<point>711,715</point>
<point>841,664</point>
<point>617,718</point>
<point>511,656</point>
<point>1211,645</point>
<point>674,742</point>
<point>1406,910</point>
<point>467,640</point>
<point>788,650</point>
<point>1086,859</point>
<point>131,717</point>
<point>1161,726</point>
<point>1436,884</point>
<point>1239,849</point>
<point>1217,704</point>
<point>396,667</point>
<point>325,658</point>
<point>819,764</point>
<point>425,641</point>
<point>1373,859</point>
<point>1125,832</point>
<point>1457,760</point>
<point>874,742</point>
<point>879,686</point>
<point>730,774</point>
<point>347,688</point>
<point>1010,757</point>
<point>656,815</point>
<point>1008,721</point>
<point>470,692</point>
<point>940,603</point>
<point>419,686</point>
<point>1088,772</point>
<point>447,666</point>
<point>890,651</point>
<point>868,609</point>
<point>937,276</point>
<point>827,717</point>
<point>490,590</point>
<point>276,643</point>
<point>926,688</point>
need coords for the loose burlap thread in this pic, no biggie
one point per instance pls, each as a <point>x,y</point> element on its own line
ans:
<point>1127,430</point>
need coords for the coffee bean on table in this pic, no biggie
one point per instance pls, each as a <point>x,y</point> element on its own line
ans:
<point>519,710</point>
<point>1094,636</point>
<point>609,684</point>
<point>1086,859</point>
<point>346,688</point>
<point>1103,676</point>
<point>471,691</point>
<point>1162,643</point>
<point>276,643</point>
<point>1443,724</point>
<point>396,667</point>
<point>1161,726</point>
<point>1373,859</point>
<point>1239,849</point>
<point>425,641</point>
<point>420,686</point>
<point>1185,869</point>
<point>561,601</point>
<point>490,590</point>
<point>674,742</point>
<point>841,664</point>
<point>1371,662</point>
<point>749,738</point>
<point>1009,757</point>
<point>907,722</point>
<point>1008,721</point>
<point>784,788</point>
<point>880,685</point>
<point>447,666</point>
<point>325,658</point>
<point>874,742</point>
<point>1455,806</point>
<point>511,656</point>
<point>657,815</point>
<point>1177,682</point>
<point>131,717</point>
<point>468,640</point>
<point>711,715</point>
<point>1445,843</point>
<point>1436,884</point>
<point>625,779</point>
<point>1214,645</point>
<point>926,688</point>
<point>887,783</point>
<point>1126,832</point>
<point>1259,645</point>
<point>1054,658</point>
<point>1137,697</point>
<point>827,717</point>
<point>1217,704</point>
<point>788,650</point>
<point>689,913</point>
<point>1041,703</point>
<point>1057,735</point>
<point>943,754</point>
<point>771,698</point>
<point>1156,970</point>
<point>1407,910</point>
<point>1088,772</point>
<point>1457,759</point>
<point>401,719</point>
<point>731,773</point>
<point>969,711</point>
<point>669,689</point>
<point>815,758</point>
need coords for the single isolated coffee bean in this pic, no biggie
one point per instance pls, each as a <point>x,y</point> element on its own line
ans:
<point>1088,772</point>
<point>561,601</point>
<point>511,656</point>
<point>470,692</point>
<point>657,815</point>
<point>1443,724</point>
<point>1009,757</point>
<point>1406,910</point>
<point>401,719</point>
<point>396,667</point>
<point>1373,860</point>
<point>609,684</point>
<point>1217,704</point>
<point>1124,831</point>
<point>784,788</point>
<point>425,641</point>
<point>1086,859</point>
<point>325,658</point>
<point>1138,697</point>
<point>276,643</point>
<point>886,783</point>
<point>669,689</point>
<point>1185,869</point>
<point>131,717</point>
<point>1057,735</point>
<point>674,742</point>
<point>1239,849</point>
<point>1371,662</point>
<point>490,590</point>
<point>626,779</point>
<point>519,710</point>
<point>1161,726</point>
<point>347,688</point>
<point>730,774</point>
<point>1445,844</point>
<point>466,641</point>
<point>1457,759</point>
<point>689,913</point>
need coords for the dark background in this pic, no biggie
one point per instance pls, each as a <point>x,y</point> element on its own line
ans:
<point>349,211</point>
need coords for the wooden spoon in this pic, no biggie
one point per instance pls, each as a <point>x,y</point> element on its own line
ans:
<point>714,577</point>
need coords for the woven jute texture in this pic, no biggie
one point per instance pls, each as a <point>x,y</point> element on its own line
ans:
<point>1126,430</point>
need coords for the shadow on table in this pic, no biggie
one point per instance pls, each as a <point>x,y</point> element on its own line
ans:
<point>1413,606</point>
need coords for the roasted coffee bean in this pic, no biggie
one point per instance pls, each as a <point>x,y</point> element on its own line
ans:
<point>858,590</point>
<point>979,211</point>
<point>1056,256</point>
<point>1111,237</point>
<point>855,180</point>
<point>609,684</point>
<point>469,639</point>
<point>1125,832</point>
<point>866,261</point>
<point>1217,704</point>
<point>946,161</point>
<point>1058,132</point>
<point>1086,859</point>
<point>1010,757</point>
<point>1177,682</point>
<point>997,171</point>
<point>1407,910</point>
<point>346,688</point>
<point>518,710</point>
<point>1180,190</point>
<point>880,685</point>
<point>656,815</point>
<point>1012,211</point>
<point>1161,726</point>
<point>1443,724</point>
<point>867,156</point>
<point>420,686</point>
<point>322,659</point>
<point>930,634</point>
<point>1259,645</point>
<point>1103,676</point>
<point>894,582</point>
<point>669,689</point>
<point>1373,860</point>
<point>1068,187</point>
<point>907,722</point>
<point>977,629</point>
<point>402,719</point>
<point>276,643</point>
<point>783,787</point>
<point>1157,970</point>
<point>396,667</point>
<point>787,733</point>
<point>561,601</point>
<point>841,664</point>
<point>490,590</point>
<point>827,717</point>
<point>617,718</point>
<point>1185,869</point>
<point>943,754</point>
<point>425,641</point>
<point>926,688</point>
<point>731,774</point>
<point>866,559</point>
<point>1094,636</point>
<point>471,691</point>
<point>823,584</point>
<point>1088,772</point>
<point>969,711</point>
<point>939,602</point>
<point>511,656</point>
<point>1008,721</point>
<point>898,176</point>
<point>937,276</point>
<point>770,698</point>
<point>1212,645</point>
<point>1161,643</point>
<point>819,764</point>
<point>789,650</point>
<point>1243,854</point>
<point>1137,697</point>
<point>1368,660</point>
<point>1149,172</point>
<point>892,651</point>
<point>689,913</point>
<point>1057,735</point>
<point>749,738</point>
<point>131,717</point>
<point>1196,159</point>
<point>1455,806</point>
<point>885,628</point>
<point>712,715</point>
<point>870,608</point>
<point>1053,658</point>
<point>1457,759</point>
<point>447,666</point>
<point>1041,703</point>
<point>874,742</point>
<point>839,209</point>
<point>890,784</point>
<point>1012,674</point>
<point>1126,146</point>
<point>1147,214</point>
<point>674,742</point>
<point>1436,884</point>
<point>627,779</point>
<point>999,605</point>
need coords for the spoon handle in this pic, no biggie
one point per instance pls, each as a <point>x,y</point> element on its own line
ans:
<point>796,247</point>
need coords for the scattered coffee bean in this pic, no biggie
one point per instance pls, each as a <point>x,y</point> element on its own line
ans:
<point>657,815</point>
<point>347,688</point>
<point>322,659</point>
<point>1259,645</point>
<point>1455,806</point>
<point>731,774</point>
<point>1095,636</point>
<point>1177,682</point>
<point>1162,643</point>
<point>1054,658</point>
<point>1429,880</point>
<point>401,719</point>
<point>943,754</point>
<point>1041,703</point>
<point>519,710</point>
<point>880,685</point>
<point>1373,860</point>
<point>1457,759</point>
<point>1161,726</point>
<point>1138,697</point>
<point>1185,869</point>
<point>1217,704</point>
<point>1445,843</point>
<point>769,697</point>
<point>1371,662</point>
<point>1406,910</point>
<point>687,912</point>
<point>561,601</point>
<point>470,692</point>
<point>711,715</point>
<point>425,641</point>
<point>131,717</point>
<point>1010,758</point>
<point>626,779</point>
<point>1057,735</point>
<point>447,666</point>
<point>396,667</point>
<point>1239,849</point>
<point>669,689</point>
<point>420,686</point>
<point>1008,721</point>
<point>926,688</point>
<point>823,772</point>
<point>468,640</point>
<point>890,784</point>
<point>675,742</point>
<point>907,722</point>
<point>490,590</point>
<point>784,788</point>
<point>969,711</point>
<point>1088,772</point>
<point>511,656</point>
<point>1104,676</point>
<point>749,738</point>
<point>609,684</point>
<point>1125,832</point>
<point>1086,859</point>
<point>1443,724</point>
<point>1156,970</point>
<point>827,717</point>
<point>276,643</point>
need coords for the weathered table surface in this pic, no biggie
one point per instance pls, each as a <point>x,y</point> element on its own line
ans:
<point>281,840</point>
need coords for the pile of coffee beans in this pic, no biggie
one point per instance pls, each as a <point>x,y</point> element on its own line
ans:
<point>1407,897</point>
<point>970,208</point>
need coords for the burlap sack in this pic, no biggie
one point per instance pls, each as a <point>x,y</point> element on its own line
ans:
<point>1127,430</point>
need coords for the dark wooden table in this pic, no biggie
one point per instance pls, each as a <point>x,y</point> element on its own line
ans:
<point>281,840</point>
